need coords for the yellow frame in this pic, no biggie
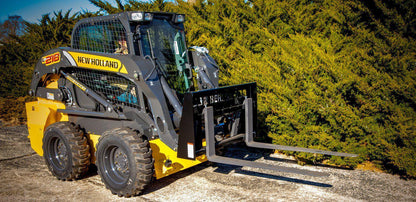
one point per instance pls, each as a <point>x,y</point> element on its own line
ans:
<point>43,112</point>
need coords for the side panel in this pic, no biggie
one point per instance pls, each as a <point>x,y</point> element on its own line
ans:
<point>40,114</point>
<point>162,153</point>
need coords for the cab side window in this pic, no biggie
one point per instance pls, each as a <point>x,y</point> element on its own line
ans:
<point>114,88</point>
<point>103,36</point>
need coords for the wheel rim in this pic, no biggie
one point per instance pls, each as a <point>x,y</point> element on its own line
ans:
<point>116,164</point>
<point>58,153</point>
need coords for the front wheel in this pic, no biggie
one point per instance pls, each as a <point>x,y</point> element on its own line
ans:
<point>124,162</point>
<point>66,151</point>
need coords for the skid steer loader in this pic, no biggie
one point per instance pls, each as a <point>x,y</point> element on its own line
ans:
<point>129,97</point>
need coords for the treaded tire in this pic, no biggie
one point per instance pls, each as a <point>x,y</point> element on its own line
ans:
<point>124,162</point>
<point>66,151</point>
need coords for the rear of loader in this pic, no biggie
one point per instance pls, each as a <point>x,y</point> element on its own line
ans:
<point>129,97</point>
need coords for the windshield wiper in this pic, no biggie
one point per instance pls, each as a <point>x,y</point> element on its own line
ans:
<point>154,60</point>
<point>150,45</point>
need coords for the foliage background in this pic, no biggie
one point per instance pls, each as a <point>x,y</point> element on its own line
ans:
<point>331,74</point>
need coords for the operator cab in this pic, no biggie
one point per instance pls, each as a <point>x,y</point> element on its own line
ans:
<point>156,36</point>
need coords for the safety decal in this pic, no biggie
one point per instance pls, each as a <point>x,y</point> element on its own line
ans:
<point>72,80</point>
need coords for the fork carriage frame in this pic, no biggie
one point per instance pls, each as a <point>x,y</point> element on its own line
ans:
<point>198,124</point>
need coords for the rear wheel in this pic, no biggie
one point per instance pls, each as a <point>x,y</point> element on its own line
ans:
<point>66,151</point>
<point>124,162</point>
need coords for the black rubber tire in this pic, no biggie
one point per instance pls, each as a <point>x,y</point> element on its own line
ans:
<point>66,151</point>
<point>124,162</point>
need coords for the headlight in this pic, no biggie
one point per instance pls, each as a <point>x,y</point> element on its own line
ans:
<point>148,16</point>
<point>179,18</point>
<point>137,16</point>
<point>140,16</point>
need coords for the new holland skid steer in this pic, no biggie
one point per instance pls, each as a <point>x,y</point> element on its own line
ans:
<point>131,98</point>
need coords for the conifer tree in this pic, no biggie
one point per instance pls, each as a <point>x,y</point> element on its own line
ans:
<point>336,75</point>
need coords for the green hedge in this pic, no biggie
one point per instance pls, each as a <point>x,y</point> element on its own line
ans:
<point>336,75</point>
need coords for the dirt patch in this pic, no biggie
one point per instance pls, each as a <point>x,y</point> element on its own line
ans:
<point>24,176</point>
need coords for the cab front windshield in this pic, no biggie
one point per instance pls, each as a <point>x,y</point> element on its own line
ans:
<point>167,43</point>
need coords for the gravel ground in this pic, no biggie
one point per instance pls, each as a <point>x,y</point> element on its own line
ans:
<point>24,176</point>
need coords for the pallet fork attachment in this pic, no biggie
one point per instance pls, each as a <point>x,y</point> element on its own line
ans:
<point>248,103</point>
